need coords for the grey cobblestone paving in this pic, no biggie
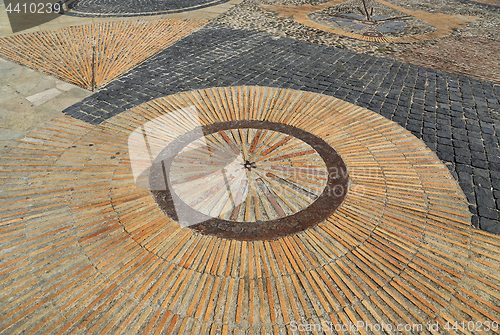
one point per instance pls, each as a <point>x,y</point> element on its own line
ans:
<point>134,7</point>
<point>456,116</point>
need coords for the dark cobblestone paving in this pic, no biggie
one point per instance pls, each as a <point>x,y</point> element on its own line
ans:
<point>456,116</point>
<point>135,7</point>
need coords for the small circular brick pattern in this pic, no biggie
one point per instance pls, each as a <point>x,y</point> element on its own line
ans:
<point>86,249</point>
<point>443,24</point>
<point>97,8</point>
<point>248,180</point>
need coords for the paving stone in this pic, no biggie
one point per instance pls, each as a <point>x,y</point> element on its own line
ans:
<point>489,225</point>
<point>42,97</point>
<point>482,182</point>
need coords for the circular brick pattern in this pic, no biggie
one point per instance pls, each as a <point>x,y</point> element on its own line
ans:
<point>85,248</point>
<point>248,180</point>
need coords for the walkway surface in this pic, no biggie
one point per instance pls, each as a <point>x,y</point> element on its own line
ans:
<point>209,170</point>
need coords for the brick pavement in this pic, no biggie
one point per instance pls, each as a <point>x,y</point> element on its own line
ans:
<point>85,248</point>
<point>456,116</point>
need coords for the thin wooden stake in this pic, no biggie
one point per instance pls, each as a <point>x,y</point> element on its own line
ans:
<point>93,64</point>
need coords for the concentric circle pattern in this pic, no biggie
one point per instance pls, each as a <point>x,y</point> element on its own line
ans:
<point>86,249</point>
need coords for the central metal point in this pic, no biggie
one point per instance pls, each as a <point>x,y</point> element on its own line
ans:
<point>249,165</point>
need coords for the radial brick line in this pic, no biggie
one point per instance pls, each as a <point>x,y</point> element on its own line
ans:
<point>85,248</point>
<point>92,55</point>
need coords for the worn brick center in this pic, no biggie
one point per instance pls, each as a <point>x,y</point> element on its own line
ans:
<point>248,180</point>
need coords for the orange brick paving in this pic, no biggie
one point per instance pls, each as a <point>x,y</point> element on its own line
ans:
<point>85,250</point>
